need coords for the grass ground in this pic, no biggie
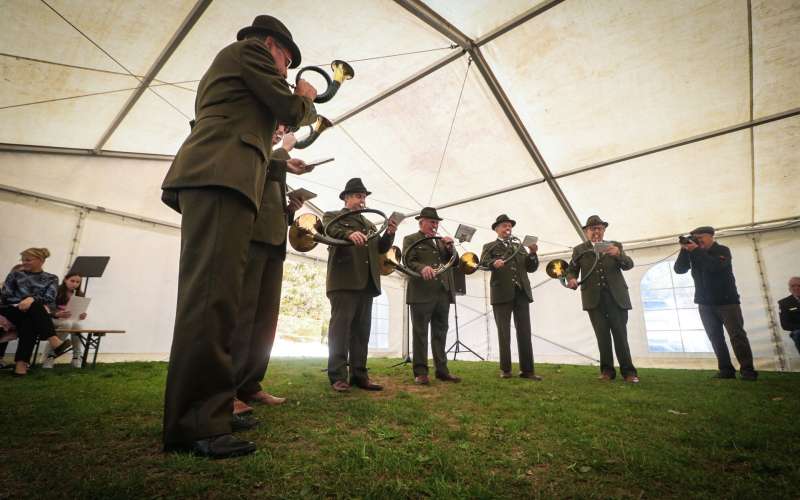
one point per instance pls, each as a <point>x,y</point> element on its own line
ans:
<point>96,434</point>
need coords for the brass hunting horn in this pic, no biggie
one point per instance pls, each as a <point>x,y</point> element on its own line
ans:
<point>395,260</point>
<point>341,72</point>
<point>470,262</point>
<point>307,230</point>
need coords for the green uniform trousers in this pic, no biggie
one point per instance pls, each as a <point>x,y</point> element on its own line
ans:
<point>215,236</point>
<point>436,314</point>
<point>609,321</point>
<point>258,317</point>
<point>348,334</point>
<point>520,307</point>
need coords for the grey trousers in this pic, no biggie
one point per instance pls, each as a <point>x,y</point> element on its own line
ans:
<point>348,334</point>
<point>520,307</point>
<point>215,236</point>
<point>258,317</point>
<point>609,321</point>
<point>435,314</point>
<point>729,316</point>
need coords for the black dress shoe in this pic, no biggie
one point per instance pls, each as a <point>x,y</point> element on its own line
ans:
<point>224,446</point>
<point>724,375</point>
<point>530,376</point>
<point>749,376</point>
<point>243,422</point>
<point>366,384</point>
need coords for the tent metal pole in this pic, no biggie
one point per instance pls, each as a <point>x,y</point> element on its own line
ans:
<point>527,141</point>
<point>437,22</point>
<point>517,21</point>
<point>683,142</point>
<point>183,30</point>
<point>772,325</point>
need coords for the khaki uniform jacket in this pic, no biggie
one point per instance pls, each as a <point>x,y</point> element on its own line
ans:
<point>429,253</point>
<point>240,100</point>
<point>608,273</point>
<point>352,267</point>
<point>508,277</point>
<point>273,220</point>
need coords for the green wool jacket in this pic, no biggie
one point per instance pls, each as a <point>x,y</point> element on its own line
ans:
<point>608,273</point>
<point>272,220</point>
<point>240,101</point>
<point>352,267</point>
<point>418,290</point>
<point>514,273</point>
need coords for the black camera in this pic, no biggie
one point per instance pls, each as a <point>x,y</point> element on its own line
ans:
<point>684,240</point>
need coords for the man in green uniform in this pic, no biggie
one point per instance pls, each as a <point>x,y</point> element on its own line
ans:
<point>216,181</point>
<point>510,293</point>
<point>354,279</point>
<point>261,293</point>
<point>429,296</point>
<point>604,294</point>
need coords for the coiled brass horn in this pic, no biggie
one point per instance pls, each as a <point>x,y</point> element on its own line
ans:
<point>557,268</point>
<point>316,128</point>
<point>470,262</point>
<point>395,260</point>
<point>341,72</point>
<point>307,230</point>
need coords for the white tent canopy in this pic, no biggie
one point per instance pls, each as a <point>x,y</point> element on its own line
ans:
<point>659,116</point>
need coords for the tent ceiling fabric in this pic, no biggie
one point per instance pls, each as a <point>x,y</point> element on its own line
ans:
<point>590,79</point>
<point>625,88</point>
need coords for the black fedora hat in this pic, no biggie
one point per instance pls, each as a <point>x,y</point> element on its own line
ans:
<point>594,220</point>
<point>428,213</point>
<point>503,218</point>
<point>354,185</point>
<point>268,25</point>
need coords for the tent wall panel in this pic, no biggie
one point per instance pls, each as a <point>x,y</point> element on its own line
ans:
<point>777,169</point>
<point>776,56</point>
<point>132,186</point>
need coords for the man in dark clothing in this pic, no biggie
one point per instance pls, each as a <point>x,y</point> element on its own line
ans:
<point>717,299</point>
<point>790,311</point>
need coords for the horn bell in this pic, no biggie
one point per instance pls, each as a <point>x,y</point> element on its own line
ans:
<point>302,231</point>
<point>389,261</point>
<point>468,263</point>
<point>557,269</point>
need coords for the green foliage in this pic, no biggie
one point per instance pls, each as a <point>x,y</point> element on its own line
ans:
<point>305,310</point>
<point>678,434</point>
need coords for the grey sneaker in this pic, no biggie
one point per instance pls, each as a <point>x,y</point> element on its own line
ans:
<point>48,363</point>
<point>77,362</point>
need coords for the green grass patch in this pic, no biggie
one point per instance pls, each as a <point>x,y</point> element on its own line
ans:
<point>95,433</point>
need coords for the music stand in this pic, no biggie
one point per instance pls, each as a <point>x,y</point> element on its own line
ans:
<point>460,289</point>
<point>89,267</point>
<point>407,360</point>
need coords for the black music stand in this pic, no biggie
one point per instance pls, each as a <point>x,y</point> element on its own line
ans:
<point>461,289</point>
<point>89,267</point>
<point>463,234</point>
<point>407,359</point>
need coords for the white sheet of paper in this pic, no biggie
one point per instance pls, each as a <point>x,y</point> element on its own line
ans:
<point>602,246</point>
<point>397,217</point>
<point>530,240</point>
<point>77,306</point>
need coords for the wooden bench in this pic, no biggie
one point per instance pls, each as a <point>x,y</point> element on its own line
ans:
<point>90,339</point>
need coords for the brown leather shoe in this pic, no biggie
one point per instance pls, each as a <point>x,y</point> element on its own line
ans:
<point>632,379</point>
<point>340,386</point>
<point>446,377</point>
<point>241,408</point>
<point>366,384</point>
<point>605,377</point>
<point>265,398</point>
<point>505,375</point>
<point>530,376</point>
<point>422,380</point>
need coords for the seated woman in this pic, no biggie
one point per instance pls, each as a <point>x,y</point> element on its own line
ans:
<point>29,295</point>
<point>63,319</point>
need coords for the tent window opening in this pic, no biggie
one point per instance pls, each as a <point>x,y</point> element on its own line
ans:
<point>671,318</point>
<point>379,333</point>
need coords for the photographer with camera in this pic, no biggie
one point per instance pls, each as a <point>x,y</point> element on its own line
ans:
<point>717,299</point>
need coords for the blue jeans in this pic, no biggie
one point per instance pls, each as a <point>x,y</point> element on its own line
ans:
<point>795,335</point>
